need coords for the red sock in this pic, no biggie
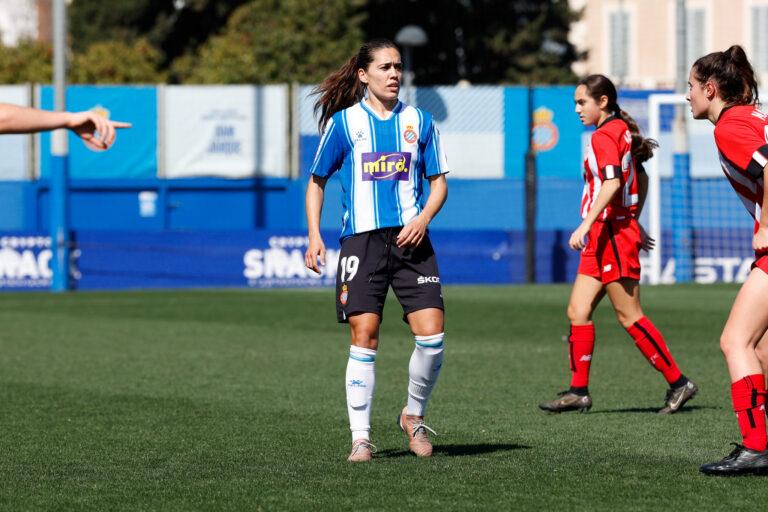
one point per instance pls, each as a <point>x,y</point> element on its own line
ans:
<point>748,396</point>
<point>581,343</point>
<point>651,343</point>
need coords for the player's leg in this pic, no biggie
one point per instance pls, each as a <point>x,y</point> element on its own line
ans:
<point>625,297</point>
<point>360,292</point>
<point>745,327</point>
<point>586,294</point>
<point>762,353</point>
<point>416,282</point>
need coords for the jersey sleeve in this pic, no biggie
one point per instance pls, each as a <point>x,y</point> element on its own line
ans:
<point>434,156</point>
<point>606,151</point>
<point>331,151</point>
<point>743,145</point>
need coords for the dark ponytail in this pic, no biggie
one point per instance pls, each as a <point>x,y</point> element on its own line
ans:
<point>732,73</point>
<point>342,88</point>
<point>599,86</point>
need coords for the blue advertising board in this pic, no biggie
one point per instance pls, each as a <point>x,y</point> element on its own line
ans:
<point>134,154</point>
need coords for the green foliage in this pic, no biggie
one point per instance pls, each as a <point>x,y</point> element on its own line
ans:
<point>29,62</point>
<point>483,41</point>
<point>267,41</point>
<point>116,62</point>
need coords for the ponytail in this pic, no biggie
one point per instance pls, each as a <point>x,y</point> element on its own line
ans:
<point>599,86</point>
<point>642,148</point>
<point>342,88</point>
<point>732,73</point>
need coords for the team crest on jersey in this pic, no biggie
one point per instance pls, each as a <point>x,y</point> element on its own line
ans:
<point>545,132</point>
<point>409,135</point>
<point>344,295</point>
<point>379,166</point>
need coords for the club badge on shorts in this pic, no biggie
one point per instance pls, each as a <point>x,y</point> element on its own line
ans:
<point>344,295</point>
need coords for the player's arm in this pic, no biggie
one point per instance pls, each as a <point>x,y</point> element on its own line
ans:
<point>760,240</point>
<point>95,130</point>
<point>412,234</point>
<point>646,242</point>
<point>314,206</point>
<point>607,192</point>
<point>609,168</point>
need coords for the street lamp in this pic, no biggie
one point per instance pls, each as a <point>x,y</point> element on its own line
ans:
<point>408,38</point>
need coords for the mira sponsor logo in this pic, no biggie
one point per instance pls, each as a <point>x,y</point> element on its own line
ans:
<point>386,166</point>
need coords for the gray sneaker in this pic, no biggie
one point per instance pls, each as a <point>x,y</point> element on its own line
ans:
<point>677,397</point>
<point>567,401</point>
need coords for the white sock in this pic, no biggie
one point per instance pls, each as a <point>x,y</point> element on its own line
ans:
<point>361,379</point>
<point>423,370</point>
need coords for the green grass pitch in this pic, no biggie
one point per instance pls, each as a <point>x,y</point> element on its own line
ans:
<point>234,400</point>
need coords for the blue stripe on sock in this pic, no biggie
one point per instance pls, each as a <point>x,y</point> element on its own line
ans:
<point>362,358</point>
<point>437,344</point>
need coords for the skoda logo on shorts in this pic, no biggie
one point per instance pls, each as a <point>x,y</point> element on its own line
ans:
<point>428,279</point>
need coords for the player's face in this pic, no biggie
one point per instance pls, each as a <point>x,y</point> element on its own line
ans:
<point>587,107</point>
<point>383,74</point>
<point>697,97</point>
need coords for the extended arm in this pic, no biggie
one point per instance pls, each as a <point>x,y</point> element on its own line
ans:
<point>96,131</point>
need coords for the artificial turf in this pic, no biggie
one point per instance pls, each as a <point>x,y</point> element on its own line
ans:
<point>234,400</point>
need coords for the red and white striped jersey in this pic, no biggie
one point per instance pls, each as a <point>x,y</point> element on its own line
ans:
<point>609,156</point>
<point>741,135</point>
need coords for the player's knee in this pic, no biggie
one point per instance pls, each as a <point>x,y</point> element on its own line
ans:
<point>365,339</point>
<point>578,313</point>
<point>628,318</point>
<point>730,343</point>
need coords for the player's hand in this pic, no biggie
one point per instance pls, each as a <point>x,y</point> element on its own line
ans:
<point>315,251</point>
<point>760,240</point>
<point>578,238</point>
<point>96,131</point>
<point>646,242</point>
<point>413,233</point>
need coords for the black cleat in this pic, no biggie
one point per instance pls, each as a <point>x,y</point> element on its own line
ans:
<point>741,461</point>
<point>567,401</point>
<point>676,397</point>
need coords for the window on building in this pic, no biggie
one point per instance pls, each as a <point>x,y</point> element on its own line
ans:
<point>618,34</point>
<point>759,57</point>
<point>694,40</point>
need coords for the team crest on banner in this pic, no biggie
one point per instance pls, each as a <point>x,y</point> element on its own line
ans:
<point>545,132</point>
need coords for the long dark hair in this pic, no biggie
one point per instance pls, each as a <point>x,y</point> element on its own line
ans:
<point>732,73</point>
<point>342,89</point>
<point>599,86</point>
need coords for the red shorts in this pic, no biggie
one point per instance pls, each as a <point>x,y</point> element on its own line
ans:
<point>761,261</point>
<point>612,251</point>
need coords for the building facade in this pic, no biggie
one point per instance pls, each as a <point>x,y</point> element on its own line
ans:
<point>634,41</point>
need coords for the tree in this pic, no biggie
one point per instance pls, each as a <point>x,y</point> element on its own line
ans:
<point>173,27</point>
<point>117,63</point>
<point>29,62</point>
<point>483,41</point>
<point>267,41</point>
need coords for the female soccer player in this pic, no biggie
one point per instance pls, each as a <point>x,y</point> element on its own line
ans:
<point>610,239</point>
<point>97,132</point>
<point>382,150</point>
<point>723,89</point>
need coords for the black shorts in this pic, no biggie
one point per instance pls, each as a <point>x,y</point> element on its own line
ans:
<point>370,262</point>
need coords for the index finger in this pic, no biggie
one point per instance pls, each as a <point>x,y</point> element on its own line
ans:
<point>120,124</point>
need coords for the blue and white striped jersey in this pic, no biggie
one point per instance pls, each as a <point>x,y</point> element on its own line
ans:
<point>381,164</point>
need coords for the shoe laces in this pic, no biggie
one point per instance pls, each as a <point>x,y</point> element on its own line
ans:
<point>420,429</point>
<point>357,445</point>
<point>736,451</point>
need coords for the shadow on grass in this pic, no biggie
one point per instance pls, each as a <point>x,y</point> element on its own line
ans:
<point>655,410</point>
<point>459,450</point>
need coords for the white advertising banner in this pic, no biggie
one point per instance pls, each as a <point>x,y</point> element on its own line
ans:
<point>234,131</point>
<point>15,163</point>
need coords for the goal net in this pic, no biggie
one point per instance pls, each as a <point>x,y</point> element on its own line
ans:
<point>703,232</point>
